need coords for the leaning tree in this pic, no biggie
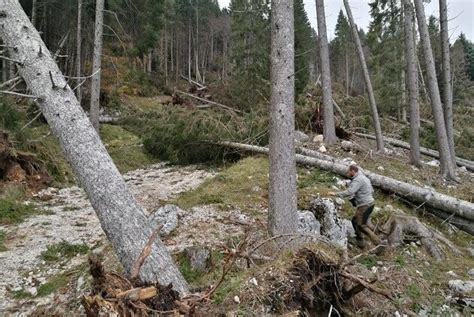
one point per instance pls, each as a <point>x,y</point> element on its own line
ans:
<point>122,219</point>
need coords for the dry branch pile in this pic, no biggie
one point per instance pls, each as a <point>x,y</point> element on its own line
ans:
<point>112,294</point>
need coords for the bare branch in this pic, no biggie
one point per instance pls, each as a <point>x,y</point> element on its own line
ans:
<point>17,94</point>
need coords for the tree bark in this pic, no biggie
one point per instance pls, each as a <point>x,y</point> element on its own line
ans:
<point>282,217</point>
<point>96,64</point>
<point>329,128</point>
<point>452,205</point>
<point>79,52</point>
<point>121,218</point>
<point>447,92</point>
<point>34,15</point>
<point>446,165</point>
<point>368,83</point>
<point>428,152</point>
<point>412,84</point>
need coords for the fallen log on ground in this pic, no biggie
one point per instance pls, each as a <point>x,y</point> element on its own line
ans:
<point>432,153</point>
<point>452,205</point>
<point>207,101</point>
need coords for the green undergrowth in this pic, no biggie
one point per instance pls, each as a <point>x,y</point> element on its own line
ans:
<point>243,184</point>
<point>63,251</point>
<point>125,148</point>
<point>3,237</point>
<point>12,208</point>
<point>54,283</point>
<point>187,136</point>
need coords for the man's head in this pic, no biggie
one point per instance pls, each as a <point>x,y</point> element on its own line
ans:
<point>352,171</point>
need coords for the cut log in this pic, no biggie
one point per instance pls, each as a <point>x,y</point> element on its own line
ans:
<point>208,101</point>
<point>428,152</point>
<point>461,208</point>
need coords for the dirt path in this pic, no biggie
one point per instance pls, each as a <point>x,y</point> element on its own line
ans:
<point>70,217</point>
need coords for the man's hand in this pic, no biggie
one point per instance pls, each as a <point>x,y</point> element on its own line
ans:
<point>332,194</point>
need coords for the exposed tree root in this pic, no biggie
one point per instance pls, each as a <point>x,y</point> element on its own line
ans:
<point>400,228</point>
<point>17,167</point>
<point>114,295</point>
<point>315,283</point>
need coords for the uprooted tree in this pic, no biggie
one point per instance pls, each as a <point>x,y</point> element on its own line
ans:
<point>121,217</point>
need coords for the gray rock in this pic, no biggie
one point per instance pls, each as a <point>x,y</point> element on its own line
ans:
<point>198,257</point>
<point>80,284</point>
<point>301,137</point>
<point>350,146</point>
<point>471,273</point>
<point>319,138</point>
<point>461,286</point>
<point>307,223</point>
<point>339,201</point>
<point>349,228</point>
<point>332,226</point>
<point>167,216</point>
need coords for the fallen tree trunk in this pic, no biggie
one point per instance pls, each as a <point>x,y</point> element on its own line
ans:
<point>208,101</point>
<point>121,217</point>
<point>432,153</point>
<point>461,208</point>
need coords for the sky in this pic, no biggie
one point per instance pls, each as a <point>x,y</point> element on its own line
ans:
<point>460,14</point>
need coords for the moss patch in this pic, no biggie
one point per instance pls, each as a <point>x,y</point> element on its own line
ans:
<point>52,285</point>
<point>3,236</point>
<point>244,185</point>
<point>124,147</point>
<point>63,250</point>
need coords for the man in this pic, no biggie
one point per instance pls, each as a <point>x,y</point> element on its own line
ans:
<point>361,193</point>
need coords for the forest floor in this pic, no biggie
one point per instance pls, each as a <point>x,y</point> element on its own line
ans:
<point>44,268</point>
<point>43,258</point>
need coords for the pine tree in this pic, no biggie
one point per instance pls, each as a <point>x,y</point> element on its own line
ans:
<point>304,47</point>
<point>250,52</point>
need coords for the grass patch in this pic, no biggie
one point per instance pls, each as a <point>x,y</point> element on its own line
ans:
<point>400,260</point>
<point>413,292</point>
<point>63,250</point>
<point>191,275</point>
<point>315,177</point>
<point>368,261</point>
<point>124,147</point>
<point>243,184</point>
<point>12,209</point>
<point>52,285</point>
<point>3,236</point>
<point>22,294</point>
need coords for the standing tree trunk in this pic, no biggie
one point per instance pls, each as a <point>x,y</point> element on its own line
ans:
<point>368,83</point>
<point>446,163</point>
<point>412,84</point>
<point>34,15</point>
<point>447,92</point>
<point>329,128</point>
<point>121,218</point>
<point>96,64</point>
<point>282,216</point>
<point>189,53</point>
<point>79,51</point>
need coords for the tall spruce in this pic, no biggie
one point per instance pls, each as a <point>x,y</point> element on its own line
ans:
<point>304,48</point>
<point>368,83</point>
<point>446,163</point>
<point>412,83</point>
<point>329,127</point>
<point>282,217</point>
<point>250,49</point>
<point>447,91</point>
<point>96,64</point>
